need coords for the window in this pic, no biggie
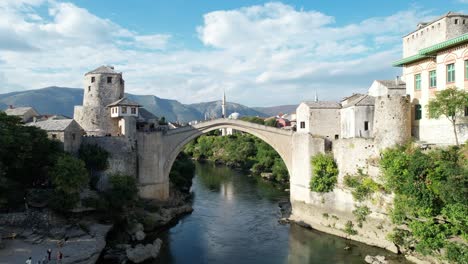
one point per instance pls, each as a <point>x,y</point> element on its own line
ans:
<point>54,136</point>
<point>302,124</point>
<point>124,109</point>
<point>417,81</point>
<point>417,112</point>
<point>433,78</point>
<point>121,81</point>
<point>89,88</point>
<point>451,73</point>
<point>133,110</point>
<point>466,110</point>
<point>73,136</point>
<point>456,21</point>
<point>109,79</point>
<point>93,79</point>
<point>366,125</point>
<point>466,70</point>
<point>337,136</point>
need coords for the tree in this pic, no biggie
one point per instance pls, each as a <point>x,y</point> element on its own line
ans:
<point>69,176</point>
<point>324,173</point>
<point>450,103</point>
<point>123,191</point>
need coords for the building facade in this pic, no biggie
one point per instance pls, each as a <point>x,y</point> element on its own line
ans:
<point>319,118</point>
<point>357,116</point>
<point>435,57</point>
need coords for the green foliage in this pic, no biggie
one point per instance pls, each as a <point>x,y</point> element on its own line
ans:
<point>362,186</point>
<point>361,212</point>
<point>324,173</point>
<point>349,228</point>
<point>123,191</point>
<point>401,237</point>
<point>451,103</point>
<point>95,157</point>
<point>69,174</point>
<point>253,119</point>
<point>241,151</point>
<point>26,154</point>
<point>271,122</point>
<point>69,177</point>
<point>182,172</point>
<point>428,186</point>
<point>456,253</point>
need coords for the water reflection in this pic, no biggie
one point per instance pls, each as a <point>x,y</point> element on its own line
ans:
<point>235,221</point>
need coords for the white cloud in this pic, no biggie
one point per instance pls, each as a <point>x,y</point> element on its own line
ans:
<point>263,55</point>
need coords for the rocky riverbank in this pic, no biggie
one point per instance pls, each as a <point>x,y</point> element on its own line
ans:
<point>31,233</point>
<point>133,241</point>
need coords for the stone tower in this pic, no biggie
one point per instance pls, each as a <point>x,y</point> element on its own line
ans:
<point>102,87</point>
<point>392,120</point>
<point>223,105</point>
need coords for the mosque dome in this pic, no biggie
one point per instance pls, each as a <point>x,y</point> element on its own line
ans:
<point>234,115</point>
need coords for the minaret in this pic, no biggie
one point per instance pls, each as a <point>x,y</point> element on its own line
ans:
<point>223,105</point>
<point>316,96</point>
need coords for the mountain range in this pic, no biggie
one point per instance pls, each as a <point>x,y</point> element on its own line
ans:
<point>61,100</point>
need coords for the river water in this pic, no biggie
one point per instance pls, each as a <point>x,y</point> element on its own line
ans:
<point>235,220</point>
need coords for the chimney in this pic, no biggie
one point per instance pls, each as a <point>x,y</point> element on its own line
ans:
<point>10,107</point>
<point>397,80</point>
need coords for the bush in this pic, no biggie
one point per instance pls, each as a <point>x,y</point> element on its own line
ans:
<point>361,212</point>
<point>456,253</point>
<point>349,228</point>
<point>324,173</point>
<point>69,174</point>
<point>95,157</point>
<point>123,191</point>
<point>428,186</point>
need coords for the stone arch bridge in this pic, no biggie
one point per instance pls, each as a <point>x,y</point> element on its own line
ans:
<point>158,151</point>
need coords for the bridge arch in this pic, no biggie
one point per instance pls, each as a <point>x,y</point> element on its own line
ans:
<point>278,139</point>
<point>158,151</point>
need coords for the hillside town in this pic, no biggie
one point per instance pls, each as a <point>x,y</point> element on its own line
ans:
<point>356,132</point>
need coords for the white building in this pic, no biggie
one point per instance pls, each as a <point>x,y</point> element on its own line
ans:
<point>319,118</point>
<point>435,56</point>
<point>357,116</point>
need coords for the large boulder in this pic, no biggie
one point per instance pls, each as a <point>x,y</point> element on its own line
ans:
<point>140,235</point>
<point>141,252</point>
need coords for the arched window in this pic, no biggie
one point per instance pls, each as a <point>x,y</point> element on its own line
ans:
<point>417,112</point>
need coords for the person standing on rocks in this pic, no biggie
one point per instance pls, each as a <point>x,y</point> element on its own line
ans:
<point>29,261</point>
<point>59,257</point>
<point>49,253</point>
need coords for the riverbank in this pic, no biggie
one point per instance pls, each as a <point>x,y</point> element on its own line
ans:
<point>29,234</point>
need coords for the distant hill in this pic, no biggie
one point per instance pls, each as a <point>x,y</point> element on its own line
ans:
<point>61,100</point>
<point>275,110</point>
<point>213,109</point>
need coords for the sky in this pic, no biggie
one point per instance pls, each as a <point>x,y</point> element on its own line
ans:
<point>261,53</point>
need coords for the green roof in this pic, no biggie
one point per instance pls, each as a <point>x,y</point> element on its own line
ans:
<point>423,53</point>
<point>407,60</point>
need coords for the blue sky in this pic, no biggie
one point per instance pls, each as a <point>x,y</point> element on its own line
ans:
<point>261,52</point>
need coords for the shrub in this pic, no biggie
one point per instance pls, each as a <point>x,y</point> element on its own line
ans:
<point>456,253</point>
<point>69,174</point>
<point>95,157</point>
<point>349,228</point>
<point>324,173</point>
<point>123,191</point>
<point>362,185</point>
<point>361,212</point>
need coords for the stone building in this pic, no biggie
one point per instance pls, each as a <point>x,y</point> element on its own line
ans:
<point>26,113</point>
<point>103,86</point>
<point>435,56</point>
<point>67,131</point>
<point>126,112</point>
<point>319,118</point>
<point>357,116</point>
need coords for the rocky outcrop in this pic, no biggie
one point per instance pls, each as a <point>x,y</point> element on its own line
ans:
<point>166,215</point>
<point>142,252</point>
<point>375,259</point>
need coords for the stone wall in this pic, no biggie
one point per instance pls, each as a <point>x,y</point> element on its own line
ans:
<point>329,212</point>
<point>123,157</point>
<point>153,182</point>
